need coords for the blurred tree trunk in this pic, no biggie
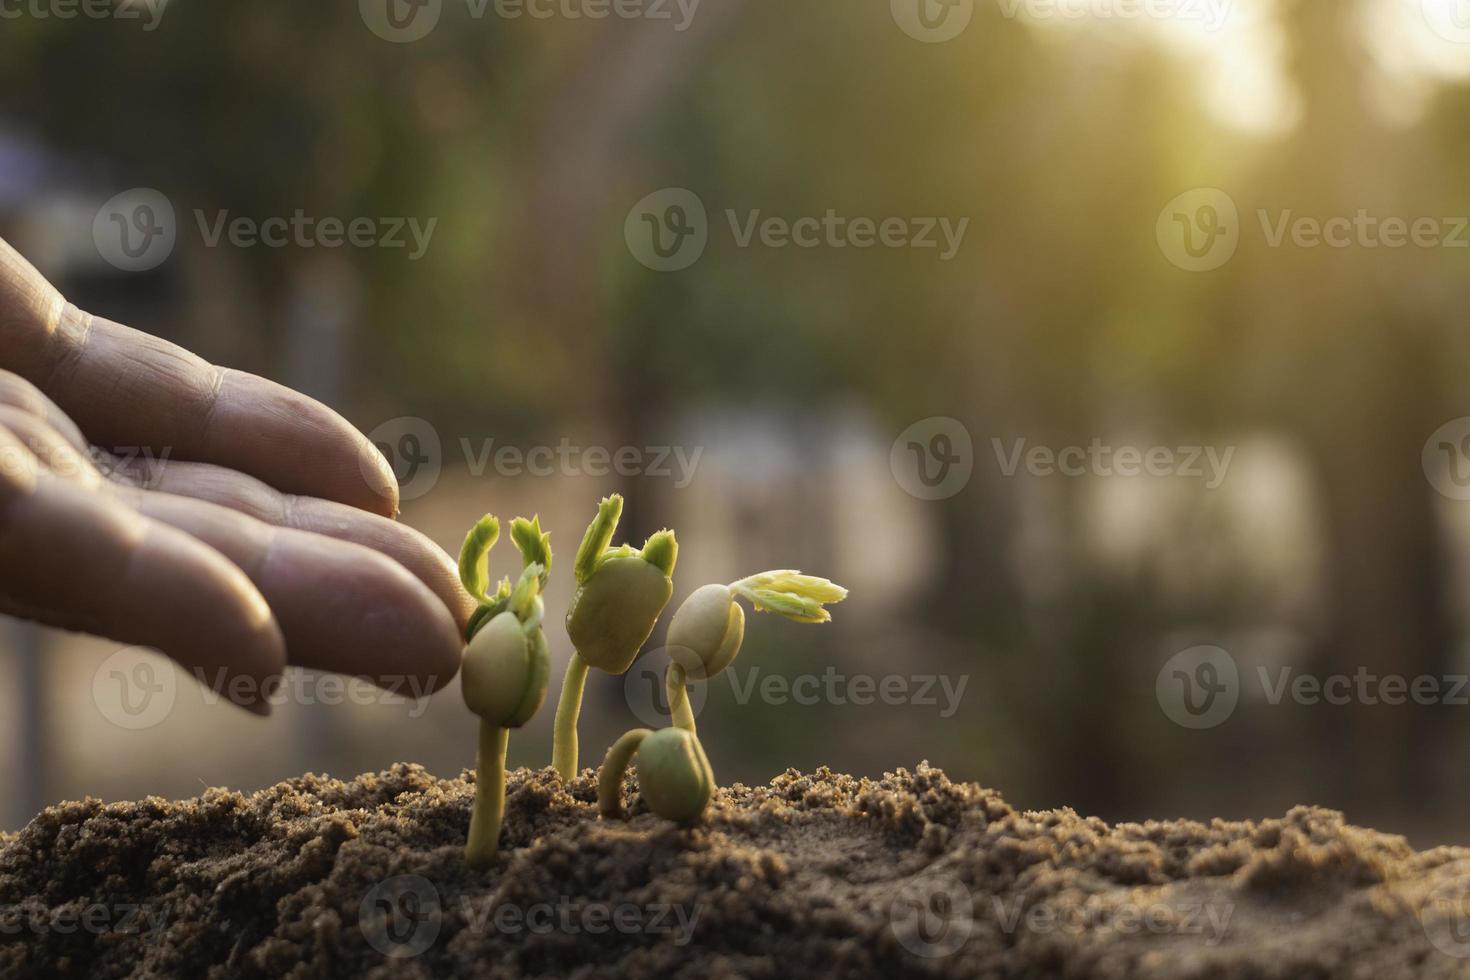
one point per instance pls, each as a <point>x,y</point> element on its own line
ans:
<point>1357,400</point>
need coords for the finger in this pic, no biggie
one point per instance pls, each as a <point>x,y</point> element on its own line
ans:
<point>19,393</point>
<point>341,606</point>
<point>50,447</point>
<point>126,388</point>
<point>410,548</point>
<point>79,559</point>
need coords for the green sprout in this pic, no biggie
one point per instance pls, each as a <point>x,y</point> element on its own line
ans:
<point>506,666</point>
<point>474,564</point>
<point>620,594</point>
<point>709,626</point>
<point>674,774</point>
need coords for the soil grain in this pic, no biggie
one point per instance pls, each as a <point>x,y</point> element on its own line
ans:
<point>819,875</point>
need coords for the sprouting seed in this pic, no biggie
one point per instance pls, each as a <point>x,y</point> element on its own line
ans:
<point>709,626</point>
<point>674,774</point>
<point>620,594</point>
<point>506,666</point>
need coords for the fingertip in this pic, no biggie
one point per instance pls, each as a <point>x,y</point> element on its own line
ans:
<point>379,479</point>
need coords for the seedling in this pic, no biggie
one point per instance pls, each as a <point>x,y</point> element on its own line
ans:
<point>506,666</point>
<point>674,774</point>
<point>620,594</point>
<point>709,626</point>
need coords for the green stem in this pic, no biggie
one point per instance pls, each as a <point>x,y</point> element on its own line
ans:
<point>489,797</point>
<point>568,708</point>
<point>614,767</point>
<point>677,691</point>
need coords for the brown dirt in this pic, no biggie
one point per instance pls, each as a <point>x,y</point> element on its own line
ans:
<point>816,875</point>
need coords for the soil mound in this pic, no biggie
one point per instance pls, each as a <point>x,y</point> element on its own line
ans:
<point>820,875</point>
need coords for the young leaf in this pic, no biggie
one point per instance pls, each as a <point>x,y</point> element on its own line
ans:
<point>598,537</point>
<point>535,547</point>
<point>474,556</point>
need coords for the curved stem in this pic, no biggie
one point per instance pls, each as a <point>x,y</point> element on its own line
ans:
<point>677,691</point>
<point>568,708</point>
<point>489,808</point>
<point>614,767</point>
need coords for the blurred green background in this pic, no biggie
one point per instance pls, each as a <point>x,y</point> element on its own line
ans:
<point>1068,314</point>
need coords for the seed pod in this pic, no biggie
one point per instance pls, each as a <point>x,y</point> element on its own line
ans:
<point>674,775</point>
<point>710,625</point>
<point>504,677</point>
<point>615,610</point>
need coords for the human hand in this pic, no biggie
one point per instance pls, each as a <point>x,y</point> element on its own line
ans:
<point>258,530</point>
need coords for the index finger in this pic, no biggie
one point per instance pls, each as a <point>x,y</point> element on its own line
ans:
<point>126,388</point>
